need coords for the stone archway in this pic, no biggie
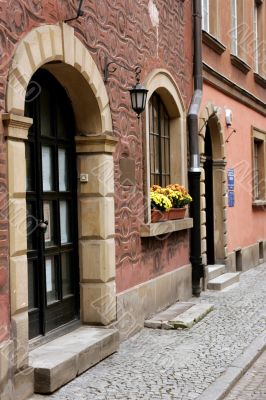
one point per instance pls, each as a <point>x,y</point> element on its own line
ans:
<point>56,48</point>
<point>210,116</point>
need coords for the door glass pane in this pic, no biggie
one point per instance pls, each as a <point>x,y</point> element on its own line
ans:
<point>32,224</point>
<point>62,170</point>
<point>67,281</point>
<point>30,186</point>
<point>51,280</point>
<point>32,285</point>
<point>64,221</point>
<point>64,117</point>
<point>48,215</point>
<point>47,167</point>
<point>45,112</point>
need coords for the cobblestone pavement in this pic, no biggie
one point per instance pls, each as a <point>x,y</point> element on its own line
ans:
<point>252,386</point>
<point>160,364</point>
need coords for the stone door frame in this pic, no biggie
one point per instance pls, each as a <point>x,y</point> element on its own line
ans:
<point>210,115</point>
<point>94,150</point>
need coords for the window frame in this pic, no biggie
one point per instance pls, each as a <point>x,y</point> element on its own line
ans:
<point>234,28</point>
<point>258,166</point>
<point>161,81</point>
<point>164,170</point>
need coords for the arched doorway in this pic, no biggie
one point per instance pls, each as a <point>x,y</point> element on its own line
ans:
<point>213,188</point>
<point>51,198</point>
<point>65,57</point>
<point>208,169</point>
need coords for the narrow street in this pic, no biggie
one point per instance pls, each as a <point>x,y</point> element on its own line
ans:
<point>161,364</point>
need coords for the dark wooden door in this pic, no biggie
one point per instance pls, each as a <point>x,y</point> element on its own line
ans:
<point>51,207</point>
<point>208,168</point>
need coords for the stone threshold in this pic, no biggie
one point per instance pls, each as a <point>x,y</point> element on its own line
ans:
<point>179,315</point>
<point>61,360</point>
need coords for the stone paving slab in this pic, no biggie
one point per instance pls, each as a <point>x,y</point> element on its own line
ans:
<point>180,315</point>
<point>170,313</point>
<point>180,364</point>
<point>191,316</point>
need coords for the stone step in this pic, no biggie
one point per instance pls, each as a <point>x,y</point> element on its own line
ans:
<point>223,281</point>
<point>215,270</point>
<point>179,315</point>
<point>62,359</point>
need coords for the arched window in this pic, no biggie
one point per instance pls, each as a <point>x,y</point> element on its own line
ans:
<point>159,136</point>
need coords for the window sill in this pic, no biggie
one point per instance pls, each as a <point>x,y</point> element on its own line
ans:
<point>240,64</point>
<point>213,43</point>
<point>259,203</point>
<point>260,80</point>
<point>160,228</point>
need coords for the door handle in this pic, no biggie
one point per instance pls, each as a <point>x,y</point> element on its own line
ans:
<point>43,225</point>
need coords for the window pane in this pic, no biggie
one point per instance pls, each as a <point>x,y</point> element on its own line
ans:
<point>48,215</point>
<point>64,117</point>
<point>47,168</point>
<point>67,279</point>
<point>45,112</point>
<point>63,170</point>
<point>32,224</point>
<point>205,15</point>
<point>159,142</point>
<point>234,27</point>
<point>32,285</point>
<point>256,37</point>
<point>51,280</point>
<point>30,183</point>
<point>64,222</point>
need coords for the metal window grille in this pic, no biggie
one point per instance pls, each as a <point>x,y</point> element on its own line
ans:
<point>159,134</point>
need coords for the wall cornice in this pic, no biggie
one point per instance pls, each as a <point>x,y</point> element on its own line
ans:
<point>232,89</point>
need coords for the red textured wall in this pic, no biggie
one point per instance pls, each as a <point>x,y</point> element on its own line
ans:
<point>122,30</point>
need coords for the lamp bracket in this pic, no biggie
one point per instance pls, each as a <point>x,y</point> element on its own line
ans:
<point>107,70</point>
<point>80,12</point>
<point>228,137</point>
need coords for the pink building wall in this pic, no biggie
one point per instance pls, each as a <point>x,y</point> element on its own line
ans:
<point>246,224</point>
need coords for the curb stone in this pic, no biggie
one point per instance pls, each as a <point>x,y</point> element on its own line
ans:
<point>221,387</point>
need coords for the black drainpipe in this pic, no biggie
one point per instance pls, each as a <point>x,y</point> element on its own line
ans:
<point>194,168</point>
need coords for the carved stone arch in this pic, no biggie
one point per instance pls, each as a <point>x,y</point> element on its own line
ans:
<point>163,83</point>
<point>211,116</point>
<point>55,48</point>
<point>48,44</point>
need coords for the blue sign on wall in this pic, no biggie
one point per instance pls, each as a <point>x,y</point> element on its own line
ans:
<point>231,198</point>
<point>231,187</point>
<point>231,179</point>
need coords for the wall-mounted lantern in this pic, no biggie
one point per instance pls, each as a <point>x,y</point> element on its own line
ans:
<point>138,93</point>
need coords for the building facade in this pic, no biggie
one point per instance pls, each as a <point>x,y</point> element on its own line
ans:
<point>232,128</point>
<point>84,251</point>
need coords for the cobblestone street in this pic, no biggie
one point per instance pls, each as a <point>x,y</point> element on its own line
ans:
<point>161,364</point>
<point>252,386</point>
